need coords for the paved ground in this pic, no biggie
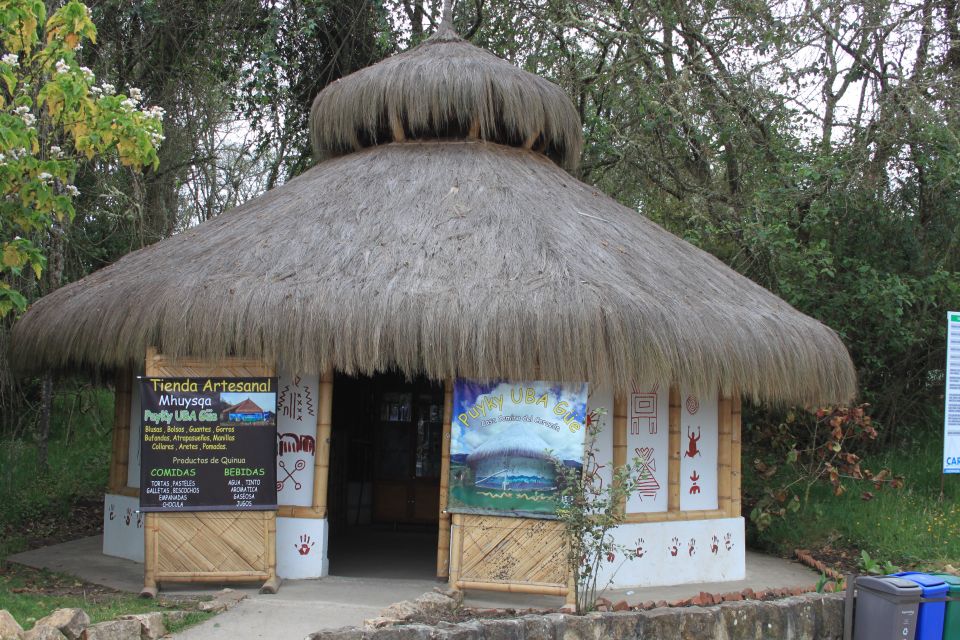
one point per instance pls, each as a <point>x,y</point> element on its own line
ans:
<point>303,606</point>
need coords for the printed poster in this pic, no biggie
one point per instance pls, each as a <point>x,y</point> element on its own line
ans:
<point>507,441</point>
<point>208,444</point>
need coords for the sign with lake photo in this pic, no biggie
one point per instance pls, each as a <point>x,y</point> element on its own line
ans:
<point>208,444</point>
<point>506,442</point>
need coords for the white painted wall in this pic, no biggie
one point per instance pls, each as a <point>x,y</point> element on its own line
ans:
<point>122,527</point>
<point>699,431</point>
<point>668,553</point>
<point>648,440</point>
<point>302,548</point>
<point>601,397</point>
<point>297,397</point>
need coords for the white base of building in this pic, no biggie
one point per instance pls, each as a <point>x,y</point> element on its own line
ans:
<point>122,527</point>
<point>301,542</point>
<point>302,548</point>
<point>669,553</point>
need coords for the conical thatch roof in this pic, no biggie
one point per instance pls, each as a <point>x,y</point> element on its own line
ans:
<point>444,258</point>
<point>445,88</point>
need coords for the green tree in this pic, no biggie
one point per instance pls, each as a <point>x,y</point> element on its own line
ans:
<point>52,118</point>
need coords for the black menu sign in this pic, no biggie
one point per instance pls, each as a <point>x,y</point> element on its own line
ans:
<point>208,444</point>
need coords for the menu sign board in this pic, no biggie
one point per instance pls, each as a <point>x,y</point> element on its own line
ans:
<point>951,417</point>
<point>208,444</point>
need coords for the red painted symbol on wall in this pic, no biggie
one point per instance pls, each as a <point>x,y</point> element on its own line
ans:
<point>305,545</point>
<point>113,514</point>
<point>295,443</point>
<point>692,448</point>
<point>639,552</point>
<point>674,547</point>
<point>299,466</point>
<point>647,485</point>
<point>714,545</point>
<point>692,547</point>
<point>695,478</point>
<point>295,402</point>
<point>644,413</point>
<point>728,541</point>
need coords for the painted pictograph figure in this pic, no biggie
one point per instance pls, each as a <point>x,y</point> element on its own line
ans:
<point>728,541</point>
<point>295,401</point>
<point>295,443</point>
<point>693,404</point>
<point>639,552</point>
<point>692,547</point>
<point>647,485</point>
<point>644,412</point>
<point>674,547</point>
<point>305,545</point>
<point>714,545</point>
<point>694,488</point>
<point>299,466</point>
<point>113,513</point>
<point>692,448</point>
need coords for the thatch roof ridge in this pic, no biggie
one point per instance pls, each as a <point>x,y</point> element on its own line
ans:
<point>445,88</point>
<point>447,259</point>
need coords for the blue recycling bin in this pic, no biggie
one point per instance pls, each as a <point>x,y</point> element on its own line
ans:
<point>930,618</point>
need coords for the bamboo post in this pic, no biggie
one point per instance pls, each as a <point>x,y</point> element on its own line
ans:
<point>120,458</point>
<point>150,532</point>
<point>620,420</point>
<point>272,585</point>
<point>456,551</point>
<point>321,468</point>
<point>735,455</point>
<point>474,131</point>
<point>443,535</point>
<point>673,471</point>
<point>724,448</point>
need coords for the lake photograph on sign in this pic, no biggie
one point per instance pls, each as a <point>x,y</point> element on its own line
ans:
<point>506,442</point>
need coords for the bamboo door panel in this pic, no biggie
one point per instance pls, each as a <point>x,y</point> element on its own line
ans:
<point>221,544</point>
<point>509,554</point>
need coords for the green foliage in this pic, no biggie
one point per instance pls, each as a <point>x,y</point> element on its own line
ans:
<point>35,500</point>
<point>821,447</point>
<point>589,511</point>
<point>875,567</point>
<point>52,116</point>
<point>910,526</point>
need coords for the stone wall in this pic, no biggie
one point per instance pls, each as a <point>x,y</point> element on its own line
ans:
<point>807,617</point>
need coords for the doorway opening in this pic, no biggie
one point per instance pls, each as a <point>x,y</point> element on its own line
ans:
<point>384,483</point>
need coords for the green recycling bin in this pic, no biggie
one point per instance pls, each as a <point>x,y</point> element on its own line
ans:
<point>951,622</point>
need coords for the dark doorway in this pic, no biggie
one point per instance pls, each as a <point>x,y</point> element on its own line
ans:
<point>384,487</point>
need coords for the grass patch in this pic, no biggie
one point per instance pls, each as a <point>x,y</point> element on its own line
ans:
<point>910,526</point>
<point>39,505</point>
<point>30,594</point>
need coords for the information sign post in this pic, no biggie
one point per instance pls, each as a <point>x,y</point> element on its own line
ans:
<point>951,413</point>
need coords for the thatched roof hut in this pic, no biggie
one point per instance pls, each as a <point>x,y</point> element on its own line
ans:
<point>441,235</point>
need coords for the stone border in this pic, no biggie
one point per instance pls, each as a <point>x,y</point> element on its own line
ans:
<point>812,616</point>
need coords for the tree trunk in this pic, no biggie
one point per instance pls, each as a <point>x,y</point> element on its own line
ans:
<point>43,423</point>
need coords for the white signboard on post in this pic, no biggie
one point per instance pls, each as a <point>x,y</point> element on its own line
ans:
<point>951,414</point>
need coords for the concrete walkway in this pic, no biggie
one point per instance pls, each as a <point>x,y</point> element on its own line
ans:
<point>304,606</point>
